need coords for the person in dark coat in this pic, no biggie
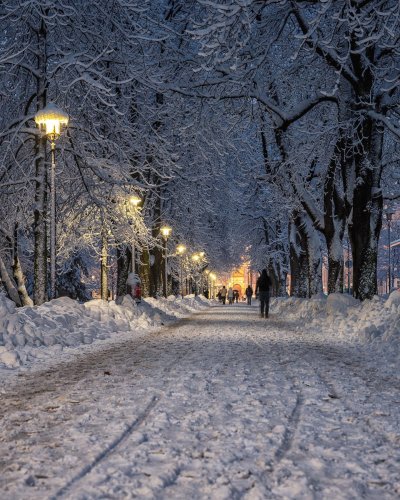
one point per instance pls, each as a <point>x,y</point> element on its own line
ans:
<point>249,294</point>
<point>263,285</point>
<point>223,293</point>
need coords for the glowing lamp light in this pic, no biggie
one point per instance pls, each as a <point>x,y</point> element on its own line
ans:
<point>50,119</point>
<point>181,249</point>
<point>196,257</point>
<point>165,231</point>
<point>135,200</point>
<point>202,254</point>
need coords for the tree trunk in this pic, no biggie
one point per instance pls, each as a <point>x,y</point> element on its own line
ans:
<point>18,273</point>
<point>283,286</point>
<point>145,272</point>
<point>104,267</point>
<point>335,275</point>
<point>123,266</point>
<point>365,226</point>
<point>156,266</point>
<point>8,284</point>
<point>364,235</point>
<point>20,281</point>
<point>281,263</point>
<point>40,221</point>
<point>305,257</point>
<point>335,215</point>
<point>314,256</point>
<point>298,259</point>
<point>156,255</point>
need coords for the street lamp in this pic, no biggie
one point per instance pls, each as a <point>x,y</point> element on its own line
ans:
<point>50,119</point>
<point>104,263</point>
<point>202,255</point>
<point>207,272</point>
<point>389,216</point>
<point>181,249</point>
<point>196,260</point>
<point>165,232</point>
<point>212,278</point>
<point>134,200</point>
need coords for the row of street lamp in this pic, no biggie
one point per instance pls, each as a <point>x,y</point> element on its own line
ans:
<point>50,120</point>
<point>196,258</point>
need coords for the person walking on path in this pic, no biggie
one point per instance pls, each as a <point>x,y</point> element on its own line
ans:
<point>230,295</point>
<point>249,294</point>
<point>223,292</point>
<point>236,296</point>
<point>262,287</point>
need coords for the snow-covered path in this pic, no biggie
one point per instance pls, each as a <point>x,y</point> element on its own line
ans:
<point>221,405</point>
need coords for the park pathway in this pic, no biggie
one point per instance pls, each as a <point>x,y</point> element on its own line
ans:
<point>223,405</point>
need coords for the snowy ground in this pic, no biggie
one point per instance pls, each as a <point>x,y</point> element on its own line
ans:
<point>220,405</point>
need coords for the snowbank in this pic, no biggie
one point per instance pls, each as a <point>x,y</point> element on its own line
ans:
<point>376,321</point>
<point>368,320</point>
<point>30,333</point>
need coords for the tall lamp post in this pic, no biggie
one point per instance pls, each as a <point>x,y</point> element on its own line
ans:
<point>134,200</point>
<point>181,249</point>
<point>50,119</point>
<point>165,232</point>
<point>212,278</point>
<point>207,273</point>
<point>201,254</point>
<point>196,260</point>
<point>104,264</point>
<point>389,216</point>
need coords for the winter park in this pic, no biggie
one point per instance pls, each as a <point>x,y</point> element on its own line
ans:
<point>200,249</point>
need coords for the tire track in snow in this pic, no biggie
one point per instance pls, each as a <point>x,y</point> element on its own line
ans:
<point>139,420</point>
<point>295,416</point>
<point>346,403</point>
<point>110,448</point>
<point>290,430</point>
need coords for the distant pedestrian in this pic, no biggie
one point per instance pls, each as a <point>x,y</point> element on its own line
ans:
<point>249,294</point>
<point>263,285</point>
<point>230,295</point>
<point>219,296</point>
<point>236,296</point>
<point>223,293</point>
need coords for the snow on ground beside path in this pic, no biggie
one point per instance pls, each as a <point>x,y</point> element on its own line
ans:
<point>28,334</point>
<point>375,322</point>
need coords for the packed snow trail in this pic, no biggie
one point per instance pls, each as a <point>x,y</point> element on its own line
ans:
<point>221,405</point>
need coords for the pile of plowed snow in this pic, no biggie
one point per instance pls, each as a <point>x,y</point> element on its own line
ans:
<point>374,322</point>
<point>30,333</point>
